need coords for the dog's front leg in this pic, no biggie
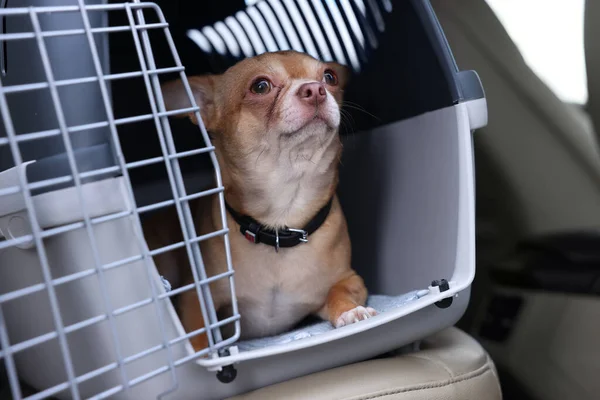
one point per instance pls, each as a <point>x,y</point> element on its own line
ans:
<point>192,318</point>
<point>346,302</point>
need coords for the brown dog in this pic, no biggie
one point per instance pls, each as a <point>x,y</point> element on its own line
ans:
<point>274,119</point>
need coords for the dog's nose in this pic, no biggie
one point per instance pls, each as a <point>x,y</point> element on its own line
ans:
<point>313,92</point>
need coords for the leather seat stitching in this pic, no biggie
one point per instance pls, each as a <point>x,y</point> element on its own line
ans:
<point>433,361</point>
<point>460,378</point>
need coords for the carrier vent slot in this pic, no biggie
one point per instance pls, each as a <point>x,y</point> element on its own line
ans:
<point>344,30</point>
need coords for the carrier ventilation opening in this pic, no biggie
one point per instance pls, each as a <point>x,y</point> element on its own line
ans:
<point>344,30</point>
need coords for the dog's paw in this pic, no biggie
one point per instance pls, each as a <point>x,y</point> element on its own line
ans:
<point>356,314</point>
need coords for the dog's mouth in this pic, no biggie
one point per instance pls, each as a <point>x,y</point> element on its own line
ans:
<point>321,116</point>
<point>317,121</point>
<point>318,118</point>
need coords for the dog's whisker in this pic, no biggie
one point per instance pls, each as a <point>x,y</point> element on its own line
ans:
<point>347,122</point>
<point>356,107</point>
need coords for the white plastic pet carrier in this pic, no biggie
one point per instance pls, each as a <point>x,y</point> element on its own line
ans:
<point>87,151</point>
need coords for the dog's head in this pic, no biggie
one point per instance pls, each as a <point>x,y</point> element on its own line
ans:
<point>278,99</point>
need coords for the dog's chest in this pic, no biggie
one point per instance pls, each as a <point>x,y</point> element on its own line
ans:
<point>277,290</point>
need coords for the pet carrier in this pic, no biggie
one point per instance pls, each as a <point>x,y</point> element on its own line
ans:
<point>87,150</point>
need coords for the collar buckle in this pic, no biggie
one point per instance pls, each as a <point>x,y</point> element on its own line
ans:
<point>250,236</point>
<point>251,232</point>
<point>304,238</point>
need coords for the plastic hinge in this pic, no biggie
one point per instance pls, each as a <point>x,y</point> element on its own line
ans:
<point>226,373</point>
<point>440,286</point>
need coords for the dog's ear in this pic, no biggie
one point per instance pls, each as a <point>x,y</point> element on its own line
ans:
<point>203,90</point>
<point>343,73</point>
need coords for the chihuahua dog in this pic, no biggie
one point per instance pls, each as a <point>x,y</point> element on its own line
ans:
<point>274,121</point>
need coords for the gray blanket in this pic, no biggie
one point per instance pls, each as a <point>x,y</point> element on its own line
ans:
<point>378,302</point>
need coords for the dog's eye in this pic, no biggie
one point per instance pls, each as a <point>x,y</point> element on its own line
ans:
<point>261,86</point>
<point>330,77</point>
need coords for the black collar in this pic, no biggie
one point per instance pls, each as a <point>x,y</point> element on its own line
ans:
<point>255,232</point>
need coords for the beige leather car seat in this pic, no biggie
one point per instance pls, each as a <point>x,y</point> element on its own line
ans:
<point>450,366</point>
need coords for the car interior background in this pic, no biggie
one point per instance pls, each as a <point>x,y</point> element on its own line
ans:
<point>538,188</point>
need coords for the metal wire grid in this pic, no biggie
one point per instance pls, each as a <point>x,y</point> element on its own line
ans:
<point>149,72</point>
